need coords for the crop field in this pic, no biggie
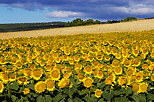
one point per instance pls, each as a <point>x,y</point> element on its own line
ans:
<point>108,67</point>
<point>139,25</point>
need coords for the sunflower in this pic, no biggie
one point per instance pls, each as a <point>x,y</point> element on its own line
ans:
<point>118,55</point>
<point>122,80</point>
<point>152,77</point>
<point>27,72</point>
<point>115,63</point>
<point>26,91</point>
<point>135,62</point>
<point>50,85</point>
<point>4,77</point>
<point>98,93</point>
<point>108,81</point>
<point>63,82</point>
<point>48,68</point>
<point>37,73</point>
<point>135,52</point>
<point>1,86</point>
<point>131,71</point>
<point>145,66</point>
<point>76,58</point>
<point>99,57</point>
<point>12,77</point>
<point>135,86</point>
<point>88,69</point>
<point>81,77</point>
<point>22,80</point>
<point>118,70</point>
<point>100,74</point>
<point>88,82</point>
<point>139,76</point>
<point>67,75</point>
<point>55,74</point>
<point>142,87</point>
<point>127,63</point>
<point>78,66</point>
<point>40,87</point>
<point>112,76</point>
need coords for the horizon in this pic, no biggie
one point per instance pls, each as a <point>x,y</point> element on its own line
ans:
<point>39,11</point>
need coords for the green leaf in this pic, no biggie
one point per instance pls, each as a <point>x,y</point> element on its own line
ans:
<point>82,92</point>
<point>77,99</point>
<point>101,100</point>
<point>139,98</point>
<point>108,96</point>
<point>70,100</point>
<point>40,98</point>
<point>121,99</point>
<point>135,98</point>
<point>57,98</point>
<point>14,85</point>
<point>30,86</point>
<point>150,96</point>
<point>48,98</point>
<point>34,94</point>
<point>14,98</point>
<point>87,98</point>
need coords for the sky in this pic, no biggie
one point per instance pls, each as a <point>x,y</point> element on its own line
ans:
<point>29,11</point>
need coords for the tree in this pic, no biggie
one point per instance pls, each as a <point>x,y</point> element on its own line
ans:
<point>129,19</point>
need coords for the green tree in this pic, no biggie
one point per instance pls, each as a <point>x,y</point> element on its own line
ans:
<point>129,19</point>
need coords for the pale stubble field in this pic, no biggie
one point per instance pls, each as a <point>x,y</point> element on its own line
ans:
<point>140,25</point>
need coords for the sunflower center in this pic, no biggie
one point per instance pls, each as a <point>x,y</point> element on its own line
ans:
<point>98,93</point>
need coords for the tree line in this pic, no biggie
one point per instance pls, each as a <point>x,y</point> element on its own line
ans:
<point>80,22</point>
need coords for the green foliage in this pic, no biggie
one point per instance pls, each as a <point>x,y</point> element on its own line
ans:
<point>29,26</point>
<point>128,19</point>
<point>80,22</point>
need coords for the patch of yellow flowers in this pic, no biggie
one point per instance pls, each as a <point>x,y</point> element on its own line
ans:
<point>126,59</point>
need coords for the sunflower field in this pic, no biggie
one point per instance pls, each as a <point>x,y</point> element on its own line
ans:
<point>110,67</point>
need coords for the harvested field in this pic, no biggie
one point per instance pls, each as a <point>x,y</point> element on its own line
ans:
<point>140,25</point>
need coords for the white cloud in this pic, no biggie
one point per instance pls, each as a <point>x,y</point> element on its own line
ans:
<point>135,9</point>
<point>62,14</point>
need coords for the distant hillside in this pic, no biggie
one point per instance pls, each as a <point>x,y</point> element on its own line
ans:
<point>139,25</point>
<point>29,26</point>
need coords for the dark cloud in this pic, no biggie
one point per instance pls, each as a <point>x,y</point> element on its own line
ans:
<point>97,9</point>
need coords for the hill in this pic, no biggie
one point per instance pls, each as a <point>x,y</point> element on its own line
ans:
<point>139,25</point>
<point>29,26</point>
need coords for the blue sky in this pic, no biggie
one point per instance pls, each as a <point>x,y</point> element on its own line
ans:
<point>27,11</point>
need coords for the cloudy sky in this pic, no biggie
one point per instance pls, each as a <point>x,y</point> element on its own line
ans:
<point>24,11</point>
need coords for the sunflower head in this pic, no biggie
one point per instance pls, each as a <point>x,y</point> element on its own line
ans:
<point>88,82</point>
<point>88,69</point>
<point>142,87</point>
<point>26,91</point>
<point>98,93</point>
<point>40,87</point>
<point>22,80</point>
<point>135,86</point>
<point>152,77</point>
<point>118,70</point>
<point>37,73</point>
<point>63,82</point>
<point>50,85</point>
<point>55,74</point>
<point>121,80</point>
